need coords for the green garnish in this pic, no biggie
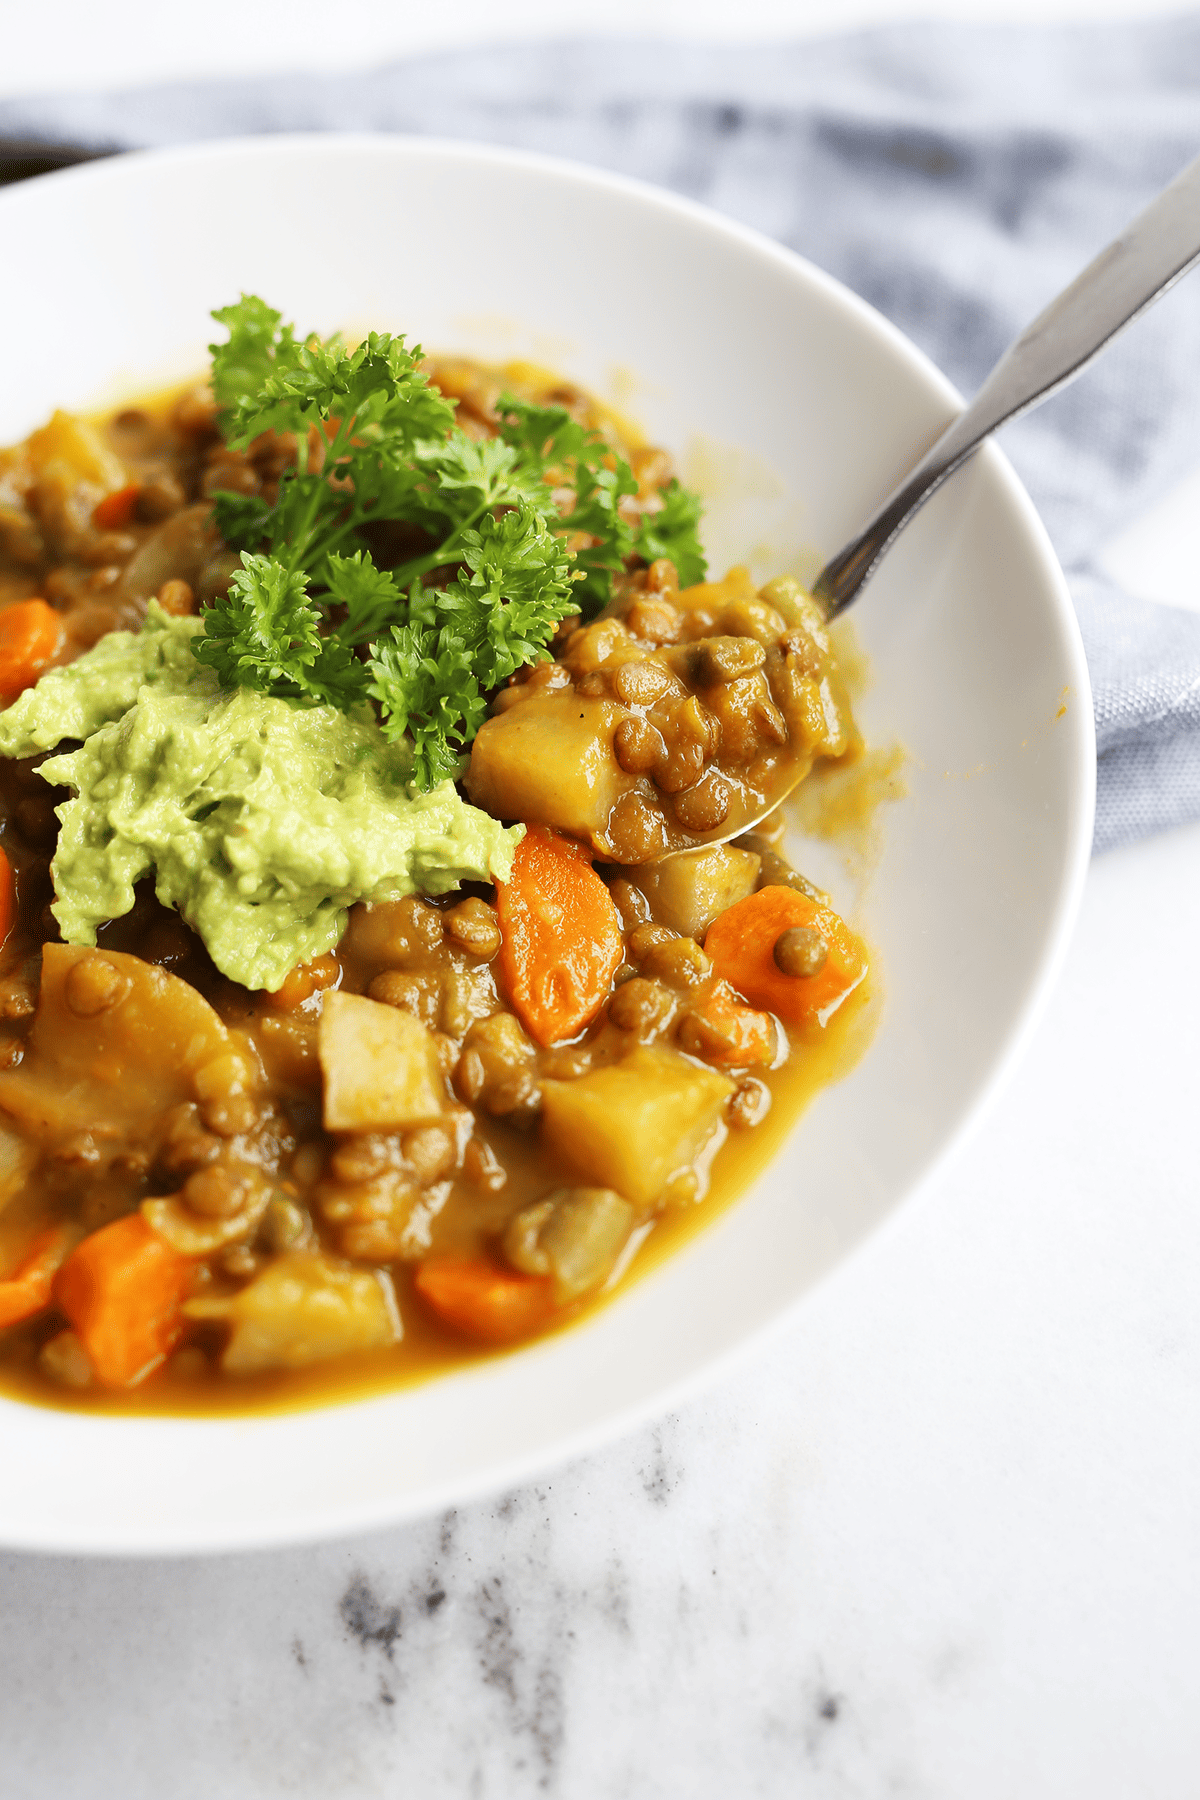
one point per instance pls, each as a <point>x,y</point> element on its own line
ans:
<point>310,616</point>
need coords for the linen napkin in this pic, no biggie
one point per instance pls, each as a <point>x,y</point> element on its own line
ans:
<point>955,176</point>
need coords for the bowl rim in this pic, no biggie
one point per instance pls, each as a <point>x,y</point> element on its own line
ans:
<point>622,1418</point>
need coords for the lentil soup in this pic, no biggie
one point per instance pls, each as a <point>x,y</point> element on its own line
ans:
<point>489,1100</point>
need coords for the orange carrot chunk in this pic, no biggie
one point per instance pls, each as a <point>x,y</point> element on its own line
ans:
<point>723,1031</point>
<point>741,944</point>
<point>122,1289</point>
<point>27,1290</point>
<point>30,634</point>
<point>561,936</point>
<point>116,510</point>
<point>8,898</point>
<point>485,1302</point>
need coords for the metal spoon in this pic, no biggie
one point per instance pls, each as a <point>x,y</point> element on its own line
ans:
<point>1149,257</point>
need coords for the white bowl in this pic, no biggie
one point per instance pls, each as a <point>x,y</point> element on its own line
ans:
<point>704,328</point>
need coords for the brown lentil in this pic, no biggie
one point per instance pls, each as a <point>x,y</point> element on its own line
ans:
<point>159,498</point>
<point>800,952</point>
<point>641,683</point>
<point>365,1155</point>
<point>641,1006</point>
<point>473,925</point>
<point>176,597</point>
<point>680,963</point>
<point>231,1117</point>
<point>420,995</point>
<point>638,746</point>
<point>635,830</point>
<point>95,985</point>
<point>655,621</point>
<point>217,1192</point>
<point>430,1152</point>
<point>705,806</point>
<point>630,902</point>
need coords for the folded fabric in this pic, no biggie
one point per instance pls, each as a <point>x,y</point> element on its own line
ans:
<point>955,176</point>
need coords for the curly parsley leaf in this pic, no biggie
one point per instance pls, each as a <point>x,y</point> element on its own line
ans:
<point>425,687</point>
<point>265,633</point>
<point>373,392</point>
<point>432,675</point>
<point>582,462</point>
<point>370,595</point>
<point>257,335</point>
<point>243,520</point>
<point>527,526</point>
<point>674,532</point>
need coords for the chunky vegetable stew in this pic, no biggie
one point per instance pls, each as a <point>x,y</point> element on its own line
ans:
<point>384,967</point>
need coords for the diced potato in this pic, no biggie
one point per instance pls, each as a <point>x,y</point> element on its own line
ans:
<point>80,447</point>
<point>114,1039</point>
<point>575,1235</point>
<point>686,892</point>
<point>302,1309</point>
<point>551,761</point>
<point>634,1124</point>
<point>379,1064</point>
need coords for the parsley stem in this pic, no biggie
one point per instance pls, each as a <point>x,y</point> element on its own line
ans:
<point>421,565</point>
<point>301,545</point>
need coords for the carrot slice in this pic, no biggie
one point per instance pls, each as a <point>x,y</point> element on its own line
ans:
<point>483,1301</point>
<point>8,898</point>
<point>741,944</point>
<point>722,1030</point>
<point>116,510</point>
<point>27,1290</point>
<point>30,634</point>
<point>562,940</point>
<point>122,1289</point>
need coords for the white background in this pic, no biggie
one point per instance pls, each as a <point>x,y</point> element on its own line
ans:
<point>940,1540</point>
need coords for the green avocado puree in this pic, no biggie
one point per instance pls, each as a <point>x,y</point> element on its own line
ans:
<point>262,820</point>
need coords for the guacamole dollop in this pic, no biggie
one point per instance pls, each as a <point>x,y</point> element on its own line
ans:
<point>261,820</point>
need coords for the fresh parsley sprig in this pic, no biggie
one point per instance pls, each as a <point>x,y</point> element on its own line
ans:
<point>533,524</point>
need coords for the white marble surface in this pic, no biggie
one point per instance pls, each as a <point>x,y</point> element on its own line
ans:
<point>940,1539</point>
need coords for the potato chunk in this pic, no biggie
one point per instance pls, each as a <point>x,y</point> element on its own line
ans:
<point>634,1124</point>
<point>550,761</point>
<point>79,449</point>
<point>380,1066</point>
<point>302,1309</point>
<point>687,891</point>
<point>115,1039</point>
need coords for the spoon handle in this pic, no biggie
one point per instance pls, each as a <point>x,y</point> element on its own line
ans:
<point>1150,256</point>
